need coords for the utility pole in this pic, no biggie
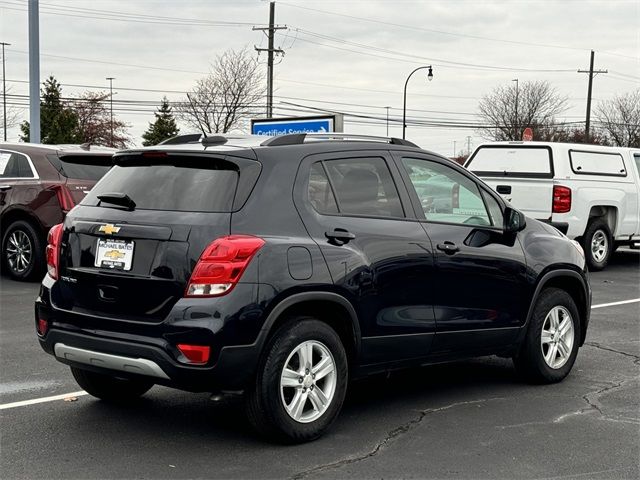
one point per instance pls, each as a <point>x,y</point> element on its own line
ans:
<point>4,91</point>
<point>468,145</point>
<point>454,149</point>
<point>387,120</point>
<point>34,72</point>
<point>515,137</point>
<point>591,73</point>
<point>271,29</point>
<point>111,79</point>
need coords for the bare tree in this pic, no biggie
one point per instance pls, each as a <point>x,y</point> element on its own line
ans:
<point>619,119</point>
<point>13,115</point>
<point>225,97</point>
<point>94,121</point>
<point>536,104</point>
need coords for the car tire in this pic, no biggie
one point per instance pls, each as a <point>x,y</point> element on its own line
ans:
<point>23,251</point>
<point>597,244</point>
<point>290,401</point>
<point>109,388</point>
<point>550,349</point>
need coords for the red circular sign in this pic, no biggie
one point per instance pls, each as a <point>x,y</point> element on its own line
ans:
<point>527,135</point>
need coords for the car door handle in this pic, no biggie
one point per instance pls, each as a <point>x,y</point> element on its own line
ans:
<point>4,188</point>
<point>448,247</point>
<point>339,236</point>
<point>504,189</point>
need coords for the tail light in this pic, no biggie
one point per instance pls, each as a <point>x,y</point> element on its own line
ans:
<point>221,265</point>
<point>64,197</point>
<point>561,199</point>
<point>54,239</point>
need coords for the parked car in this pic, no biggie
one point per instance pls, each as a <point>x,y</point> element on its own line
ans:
<point>39,184</point>
<point>588,192</point>
<point>284,269</point>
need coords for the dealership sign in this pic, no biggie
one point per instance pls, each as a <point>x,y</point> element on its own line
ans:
<point>284,126</point>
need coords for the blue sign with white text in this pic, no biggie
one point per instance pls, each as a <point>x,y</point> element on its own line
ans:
<point>273,128</point>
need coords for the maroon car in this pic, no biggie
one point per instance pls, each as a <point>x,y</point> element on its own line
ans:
<point>39,184</point>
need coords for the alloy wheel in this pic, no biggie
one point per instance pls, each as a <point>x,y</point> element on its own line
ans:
<point>308,381</point>
<point>19,251</point>
<point>557,337</point>
<point>599,246</point>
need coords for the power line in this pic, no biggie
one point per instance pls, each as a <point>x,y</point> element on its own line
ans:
<point>441,32</point>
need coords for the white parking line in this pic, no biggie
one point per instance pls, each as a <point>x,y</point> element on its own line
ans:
<point>24,403</point>
<point>34,401</point>
<point>623,302</point>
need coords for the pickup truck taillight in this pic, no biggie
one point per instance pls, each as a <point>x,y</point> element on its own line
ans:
<point>561,199</point>
<point>54,239</point>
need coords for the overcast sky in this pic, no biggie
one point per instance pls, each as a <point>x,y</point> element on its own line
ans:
<point>347,56</point>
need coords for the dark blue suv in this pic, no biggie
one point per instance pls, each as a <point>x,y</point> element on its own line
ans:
<point>284,269</point>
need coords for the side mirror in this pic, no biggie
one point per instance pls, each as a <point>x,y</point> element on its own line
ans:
<point>514,221</point>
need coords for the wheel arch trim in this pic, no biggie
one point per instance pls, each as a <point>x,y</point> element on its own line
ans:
<point>299,298</point>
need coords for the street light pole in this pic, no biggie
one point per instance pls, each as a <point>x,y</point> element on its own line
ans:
<point>516,119</point>
<point>111,79</point>
<point>404,105</point>
<point>4,92</point>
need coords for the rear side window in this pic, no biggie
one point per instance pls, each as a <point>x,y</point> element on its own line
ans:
<point>320,194</point>
<point>15,165</point>
<point>81,167</point>
<point>597,163</point>
<point>190,187</point>
<point>364,186</point>
<point>506,161</point>
<point>636,157</point>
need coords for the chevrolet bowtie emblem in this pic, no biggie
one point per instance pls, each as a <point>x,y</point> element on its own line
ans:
<point>109,229</point>
<point>114,254</point>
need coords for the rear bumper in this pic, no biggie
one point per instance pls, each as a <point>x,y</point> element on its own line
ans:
<point>135,349</point>
<point>232,371</point>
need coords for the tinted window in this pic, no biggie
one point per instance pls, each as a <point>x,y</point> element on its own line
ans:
<point>597,163</point>
<point>497,217</point>
<point>167,187</point>
<point>636,157</point>
<point>364,187</point>
<point>320,194</point>
<point>512,162</point>
<point>81,167</point>
<point>445,194</point>
<point>14,165</point>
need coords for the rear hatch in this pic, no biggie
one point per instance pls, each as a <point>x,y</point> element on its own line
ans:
<point>521,174</point>
<point>133,241</point>
<point>81,171</point>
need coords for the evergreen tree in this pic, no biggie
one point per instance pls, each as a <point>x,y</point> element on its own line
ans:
<point>164,127</point>
<point>58,122</point>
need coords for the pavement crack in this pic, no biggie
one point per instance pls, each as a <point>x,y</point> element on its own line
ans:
<point>619,352</point>
<point>390,437</point>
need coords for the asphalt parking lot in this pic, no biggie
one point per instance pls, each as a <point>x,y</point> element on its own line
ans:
<point>471,419</point>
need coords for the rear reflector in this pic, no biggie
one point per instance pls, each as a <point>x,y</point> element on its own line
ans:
<point>195,353</point>
<point>42,327</point>
<point>54,240</point>
<point>221,265</point>
<point>561,199</point>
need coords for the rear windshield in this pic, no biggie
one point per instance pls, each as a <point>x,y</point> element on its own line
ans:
<point>185,188</point>
<point>500,161</point>
<point>81,167</point>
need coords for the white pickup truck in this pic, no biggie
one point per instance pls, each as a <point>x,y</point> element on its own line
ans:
<point>588,192</point>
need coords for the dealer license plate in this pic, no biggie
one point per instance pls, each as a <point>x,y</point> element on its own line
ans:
<point>114,254</point>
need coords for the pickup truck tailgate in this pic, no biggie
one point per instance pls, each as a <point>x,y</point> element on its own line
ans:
<point>532,196</point>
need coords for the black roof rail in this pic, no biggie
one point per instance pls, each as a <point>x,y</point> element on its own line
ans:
<point>180,139</point>
<point>300,138</point>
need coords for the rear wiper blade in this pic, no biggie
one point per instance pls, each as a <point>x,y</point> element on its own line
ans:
<point>116,198</point>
